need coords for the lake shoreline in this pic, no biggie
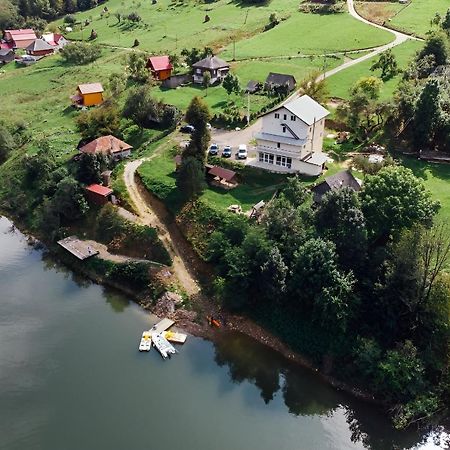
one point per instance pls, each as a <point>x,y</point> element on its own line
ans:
<point>230,321</point>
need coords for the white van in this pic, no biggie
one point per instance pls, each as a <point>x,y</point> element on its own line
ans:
<point>242,152</point>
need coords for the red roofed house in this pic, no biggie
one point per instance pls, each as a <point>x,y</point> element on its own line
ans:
<point>98,194</point>
<point>88,94</point>
<point>108,145</point>
<point>222,177</point>
<point>160,66</point>
<point>19,38</point>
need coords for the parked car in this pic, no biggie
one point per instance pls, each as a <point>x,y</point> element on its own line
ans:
<point>226,152</point>
<point>214,150</point>
<point>242,152</point>
<point>187,128</point>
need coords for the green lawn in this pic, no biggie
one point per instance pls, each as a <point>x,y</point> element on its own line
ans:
<point>436,178</point>
<point>310,34</point>
<point>415,18</point>
<point>340,83</point>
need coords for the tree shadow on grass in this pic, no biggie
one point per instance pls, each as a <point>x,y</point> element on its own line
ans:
<point>423,169</point>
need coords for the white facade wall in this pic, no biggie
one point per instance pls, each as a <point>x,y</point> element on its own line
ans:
<point>310,140</point>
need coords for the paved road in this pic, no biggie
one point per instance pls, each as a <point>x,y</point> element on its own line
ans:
<point>234,138</point>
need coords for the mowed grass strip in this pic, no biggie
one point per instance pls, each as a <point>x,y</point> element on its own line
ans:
<point>340,84</point>
<point>310,34</point>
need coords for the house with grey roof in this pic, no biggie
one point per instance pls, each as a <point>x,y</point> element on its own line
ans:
<point>340,180</point>
<point>279,82</point>
<point>217,68</point>
<point>291,138</point>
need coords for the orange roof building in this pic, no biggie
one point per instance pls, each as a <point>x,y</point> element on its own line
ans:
<point>98,194</point>
<point>108,145</point>
<point>88,94</point>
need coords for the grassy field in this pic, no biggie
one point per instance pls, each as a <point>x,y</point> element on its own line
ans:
<point>415,17</point>
<point>436,178</point>
<point>38,95</point>
<point>310,34</point>
<point>169,26</point>
<point>340,83</point>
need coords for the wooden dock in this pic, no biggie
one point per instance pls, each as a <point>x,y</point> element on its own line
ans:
<point>161,326</point>
<point>80,249</point>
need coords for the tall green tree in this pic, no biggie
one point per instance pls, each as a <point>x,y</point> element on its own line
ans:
<point>395,199</point>
<point>137,67</point>
<point>436,45</point>
<point>231,83</point>
<point>98,122</point>
<point>387,63</point>
<point>191,178</point>
<point>198,116</point>
<point>339,218</point>
<point>427,115</point>
<point>315,86</point>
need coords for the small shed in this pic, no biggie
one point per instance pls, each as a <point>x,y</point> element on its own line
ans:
<point>160,67</point>
<point>40,48</point>
<point>6,56</point>
<point>98,194</point>
<point>88,94</point>
<point>222,177</point>
<point>275,81</point>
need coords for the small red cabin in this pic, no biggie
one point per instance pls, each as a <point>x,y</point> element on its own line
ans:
<point>160,66</point>
<point>98,194</point>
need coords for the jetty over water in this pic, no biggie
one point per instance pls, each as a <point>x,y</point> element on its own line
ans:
<point>80,249</point>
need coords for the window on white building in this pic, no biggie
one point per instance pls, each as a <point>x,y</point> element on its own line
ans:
<point>285,116</point>
<point>267,158</point>
<point>277,116</point>
<point>293,118</point>
<point>284,129</point>
<point>278,145</point>
<point>284,161</point>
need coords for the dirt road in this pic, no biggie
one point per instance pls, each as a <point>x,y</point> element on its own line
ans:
<point>147,216</point>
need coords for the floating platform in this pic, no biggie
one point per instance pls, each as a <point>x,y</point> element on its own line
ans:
<point>146,342</point>
<point>173,336</point>
<point>163,345</point>
<point>161,326</point>
<point>81,249</point>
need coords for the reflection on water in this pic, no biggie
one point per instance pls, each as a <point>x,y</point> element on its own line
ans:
<point>304,394</point>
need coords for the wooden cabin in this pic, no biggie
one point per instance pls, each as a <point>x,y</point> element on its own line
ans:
<point>160,67</point>
<point>88,94</point>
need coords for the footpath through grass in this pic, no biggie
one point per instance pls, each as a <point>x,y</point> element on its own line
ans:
<point>341,83</point>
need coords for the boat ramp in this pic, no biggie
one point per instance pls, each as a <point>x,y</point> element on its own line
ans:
<point>160,337</point>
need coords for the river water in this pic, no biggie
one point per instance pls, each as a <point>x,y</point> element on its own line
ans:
<point>71,377</point>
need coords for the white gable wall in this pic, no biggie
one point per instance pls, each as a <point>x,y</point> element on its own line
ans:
<point>273,125</point>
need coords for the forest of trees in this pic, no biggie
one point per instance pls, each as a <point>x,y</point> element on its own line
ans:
<point>36,13</point>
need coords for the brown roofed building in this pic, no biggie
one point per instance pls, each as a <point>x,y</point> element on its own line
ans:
<point>88,94</point>
<point>108,145</point>
<point>98,194</point>
<point>20,38</point>
<point>222,177</point>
